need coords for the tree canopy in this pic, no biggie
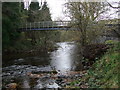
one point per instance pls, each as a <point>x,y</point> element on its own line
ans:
<point>14,15</point>
<point>10,22</point>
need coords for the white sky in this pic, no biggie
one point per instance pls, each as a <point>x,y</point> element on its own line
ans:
<point>56,8</point>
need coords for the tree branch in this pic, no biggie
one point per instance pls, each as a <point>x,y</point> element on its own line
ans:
<point>113,6</point>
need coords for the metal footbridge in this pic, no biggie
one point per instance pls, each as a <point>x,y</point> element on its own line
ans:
<point>53,25</point>
<point>46,25</point>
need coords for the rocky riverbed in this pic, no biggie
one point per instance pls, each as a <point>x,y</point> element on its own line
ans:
<point>51,79</point>
<point>57,69</point>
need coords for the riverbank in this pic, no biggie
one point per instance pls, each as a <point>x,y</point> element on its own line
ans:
<point>104,73</point>
<point>28,73</point>
<point>30,48</point>
<point>24,51</point>
<point>93,52</point>
<point>19,71</point>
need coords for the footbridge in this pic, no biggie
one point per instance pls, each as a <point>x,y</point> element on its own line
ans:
<point>53,25</point>
<point>46,25</point>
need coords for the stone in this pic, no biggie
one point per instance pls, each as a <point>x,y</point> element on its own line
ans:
<point>33,75</point>
<point>12,86</point>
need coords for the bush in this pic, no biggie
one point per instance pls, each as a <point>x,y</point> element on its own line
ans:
<point>111,42</point>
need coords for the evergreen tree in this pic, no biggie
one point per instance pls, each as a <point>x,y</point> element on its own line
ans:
<point>11,19</point>
<point>37,15</point>
<point>34,6</point>
<point>46,12</point>
<point>33,12</point>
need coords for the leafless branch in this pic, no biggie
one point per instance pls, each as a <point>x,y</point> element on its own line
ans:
<point>113,6</point>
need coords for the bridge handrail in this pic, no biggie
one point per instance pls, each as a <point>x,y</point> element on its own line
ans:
<point>53,24</point>
<point>45,24</point>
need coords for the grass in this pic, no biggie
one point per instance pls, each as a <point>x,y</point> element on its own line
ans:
<point>105,72</point>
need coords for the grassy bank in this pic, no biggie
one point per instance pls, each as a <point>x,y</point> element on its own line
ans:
<point>104,73</point>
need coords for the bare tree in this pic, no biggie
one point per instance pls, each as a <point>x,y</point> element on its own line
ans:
<point>118,7</point>
<point>84,15</point>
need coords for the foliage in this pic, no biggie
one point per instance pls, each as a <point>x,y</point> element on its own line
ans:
<point>104,72</point>
<point>10,22</point>
<point>34,6</point>
<point>111,42</point>
<point>84,15</point>
<point>45,13</point>
<point>69,35</point>
<point>14,16</point>
<point>35,14</point>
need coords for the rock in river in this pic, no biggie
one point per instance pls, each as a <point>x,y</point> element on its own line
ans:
<point>12,86</point>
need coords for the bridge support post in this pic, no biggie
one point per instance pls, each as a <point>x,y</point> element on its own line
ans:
<point>34,25</point>
<point>43,24</point>
<point>26,26</point>
<point>39,25</point>
<point>30,26</point>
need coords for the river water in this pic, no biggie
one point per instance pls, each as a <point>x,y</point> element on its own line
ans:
<point>66,58</point>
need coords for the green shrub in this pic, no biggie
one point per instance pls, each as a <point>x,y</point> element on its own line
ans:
<point>111,42</point>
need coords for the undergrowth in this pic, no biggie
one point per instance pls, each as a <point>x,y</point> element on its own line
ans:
<point>104,73</point>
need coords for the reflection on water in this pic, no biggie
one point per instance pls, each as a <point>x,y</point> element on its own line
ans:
<point>65,58</point>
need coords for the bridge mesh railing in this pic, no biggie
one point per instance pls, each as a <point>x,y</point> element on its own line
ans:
<point>45,24</point>
<point>49,25</point>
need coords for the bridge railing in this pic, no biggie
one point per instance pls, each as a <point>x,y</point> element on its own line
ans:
<point>54,24</point>
<point>45,24</point>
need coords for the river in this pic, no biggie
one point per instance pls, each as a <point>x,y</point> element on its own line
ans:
<point>66,58</point>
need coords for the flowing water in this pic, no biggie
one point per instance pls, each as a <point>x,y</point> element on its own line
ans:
<point>66,58</point>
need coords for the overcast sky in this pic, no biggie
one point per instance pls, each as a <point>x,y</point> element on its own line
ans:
<point>57,6</point>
